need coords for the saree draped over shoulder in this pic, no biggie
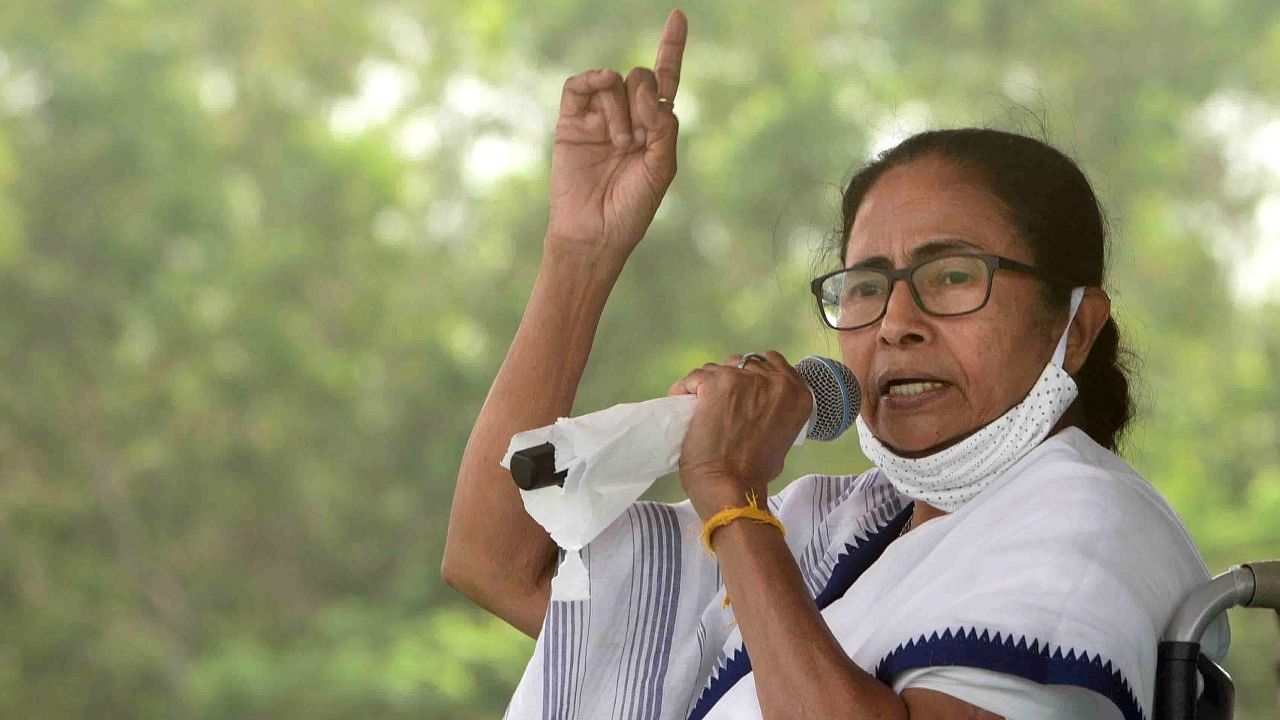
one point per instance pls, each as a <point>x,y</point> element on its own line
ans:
<point>1051,586</point>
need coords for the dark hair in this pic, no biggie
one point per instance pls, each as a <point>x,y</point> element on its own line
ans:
<point>1054,210</point>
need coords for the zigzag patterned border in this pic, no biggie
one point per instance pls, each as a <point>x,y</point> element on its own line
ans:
<point>849,567</point>
<point>1034,662</point>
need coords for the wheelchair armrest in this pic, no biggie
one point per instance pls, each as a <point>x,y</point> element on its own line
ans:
<point>1218,700</point>
<point>1255,584</point>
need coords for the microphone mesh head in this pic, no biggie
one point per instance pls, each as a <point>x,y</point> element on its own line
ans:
<point>837,396</point>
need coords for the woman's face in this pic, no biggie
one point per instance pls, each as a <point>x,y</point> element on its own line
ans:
<point>977,366</point>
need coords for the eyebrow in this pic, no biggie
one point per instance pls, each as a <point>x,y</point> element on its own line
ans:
<point>931,249</point>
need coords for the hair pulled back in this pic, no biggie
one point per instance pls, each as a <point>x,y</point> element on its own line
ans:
<point>1054,210</point>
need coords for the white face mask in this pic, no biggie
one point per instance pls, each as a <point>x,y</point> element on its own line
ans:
<point>949,478</point>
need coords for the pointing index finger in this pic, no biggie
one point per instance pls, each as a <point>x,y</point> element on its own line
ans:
<point>670,53</point>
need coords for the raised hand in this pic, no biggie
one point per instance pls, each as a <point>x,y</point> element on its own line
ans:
<point>615,151</point>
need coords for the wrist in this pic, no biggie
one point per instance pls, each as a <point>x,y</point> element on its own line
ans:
<point>578,282</point>
<point>745,532</point>
<point>754,511</point>
<point>712,492</point>
<point>592,258</point>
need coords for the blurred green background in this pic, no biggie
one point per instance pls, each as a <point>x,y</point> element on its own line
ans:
<point>259,262</point>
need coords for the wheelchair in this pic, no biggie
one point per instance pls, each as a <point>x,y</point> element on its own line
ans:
<point>1179,659</point>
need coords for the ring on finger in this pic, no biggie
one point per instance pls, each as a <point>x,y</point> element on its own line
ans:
<point>749,357</point>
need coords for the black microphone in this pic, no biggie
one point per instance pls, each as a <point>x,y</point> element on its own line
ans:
<point>837,398</point>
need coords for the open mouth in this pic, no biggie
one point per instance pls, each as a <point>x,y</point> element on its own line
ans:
<point>911,388</point>
<point>905,393</point>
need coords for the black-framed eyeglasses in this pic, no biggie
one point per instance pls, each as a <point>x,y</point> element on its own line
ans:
<point>946,286</point>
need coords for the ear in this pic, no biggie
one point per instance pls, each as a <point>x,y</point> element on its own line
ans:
<point>1095,310</point>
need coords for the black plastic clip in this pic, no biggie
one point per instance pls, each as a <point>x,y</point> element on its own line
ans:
<point>535,467</point>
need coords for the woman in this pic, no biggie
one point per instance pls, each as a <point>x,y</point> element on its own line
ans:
<point>1001,560</point>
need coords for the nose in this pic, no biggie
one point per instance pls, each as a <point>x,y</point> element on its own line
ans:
<point>904,323</point>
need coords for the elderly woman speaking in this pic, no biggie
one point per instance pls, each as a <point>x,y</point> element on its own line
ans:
<point>999,560</point>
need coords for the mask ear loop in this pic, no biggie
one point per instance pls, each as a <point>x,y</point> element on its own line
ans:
<point>1060,353</point>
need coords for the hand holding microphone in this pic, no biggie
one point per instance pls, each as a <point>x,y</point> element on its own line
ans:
<point>650,436</point>
<point>726,428</point>
<point>749,411</point>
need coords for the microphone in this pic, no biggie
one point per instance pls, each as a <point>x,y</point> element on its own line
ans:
<point>837,398</point>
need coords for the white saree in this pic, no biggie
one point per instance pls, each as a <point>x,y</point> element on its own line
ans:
<point>1044,596</point>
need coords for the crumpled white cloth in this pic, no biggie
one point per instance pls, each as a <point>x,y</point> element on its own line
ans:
<point>612,457</point>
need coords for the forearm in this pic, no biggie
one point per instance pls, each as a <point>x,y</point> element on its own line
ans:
<point>800,669</point>
<point>492,542</point>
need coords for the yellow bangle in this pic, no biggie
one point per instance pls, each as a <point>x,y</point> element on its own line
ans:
<point>751,512</point>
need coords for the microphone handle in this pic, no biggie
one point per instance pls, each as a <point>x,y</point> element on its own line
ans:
<point>535,467</point>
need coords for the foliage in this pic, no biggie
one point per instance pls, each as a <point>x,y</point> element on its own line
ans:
<point>260,261</point>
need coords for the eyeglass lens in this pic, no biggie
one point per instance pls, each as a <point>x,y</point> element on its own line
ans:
<point>946,286</point>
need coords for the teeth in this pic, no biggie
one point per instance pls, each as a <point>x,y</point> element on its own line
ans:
<point>909,389</point>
